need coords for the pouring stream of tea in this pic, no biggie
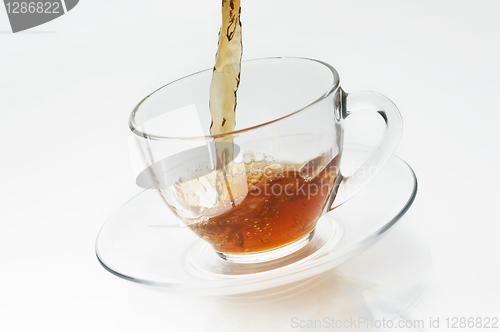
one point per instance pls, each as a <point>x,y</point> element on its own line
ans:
<point>225,82</point>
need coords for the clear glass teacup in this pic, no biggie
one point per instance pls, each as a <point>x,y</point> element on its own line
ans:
<point>283,170</point>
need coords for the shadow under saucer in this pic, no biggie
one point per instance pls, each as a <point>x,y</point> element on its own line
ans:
<point>375,291</point>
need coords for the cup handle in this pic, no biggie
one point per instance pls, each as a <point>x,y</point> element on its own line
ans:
<point>347,187</point>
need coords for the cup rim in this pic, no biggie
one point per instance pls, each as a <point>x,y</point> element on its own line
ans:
<point>135,128</point>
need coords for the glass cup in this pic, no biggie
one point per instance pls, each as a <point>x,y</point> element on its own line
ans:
<point>255,194</point>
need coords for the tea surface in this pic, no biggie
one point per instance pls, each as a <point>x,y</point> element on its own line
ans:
<point>282,205</point>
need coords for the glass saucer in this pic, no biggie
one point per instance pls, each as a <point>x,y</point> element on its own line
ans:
<point>145,243</point>
<point>382,284</point>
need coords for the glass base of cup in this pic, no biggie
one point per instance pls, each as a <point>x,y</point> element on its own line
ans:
<point>268,255</point>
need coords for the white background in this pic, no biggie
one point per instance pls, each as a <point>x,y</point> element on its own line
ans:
<point>68,86</point>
